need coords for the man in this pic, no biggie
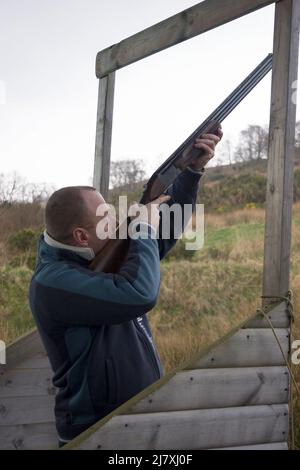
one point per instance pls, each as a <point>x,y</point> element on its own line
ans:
<point>94,325</point>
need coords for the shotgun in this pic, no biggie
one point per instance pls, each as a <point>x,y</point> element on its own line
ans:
<point>112,255</point>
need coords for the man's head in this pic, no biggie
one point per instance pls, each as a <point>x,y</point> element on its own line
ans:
<point>70,216</point>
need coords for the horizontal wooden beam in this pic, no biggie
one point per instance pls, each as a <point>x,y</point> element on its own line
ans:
<point>195,429</point>
<point>178,28</point>
<point>29,437</point>
<point>22,348</point>
<point>256,347</point>
<point>272,446</point>
<point>218,388</point>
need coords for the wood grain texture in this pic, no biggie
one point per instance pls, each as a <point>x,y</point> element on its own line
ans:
<point>29,437</point>
<point>248,348</point>
<point>218,388</point>
<point>279,197</point>
<point>279,316</point>
<point>26,410</point>
<point>21,349</point>
<point>27,383</point>
<point>103,134</point>
<point>272,446</point>
<point>178,28</point>
<point>197,429</point>
<point>37,361</point>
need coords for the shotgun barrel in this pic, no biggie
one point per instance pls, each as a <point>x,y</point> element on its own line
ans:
<point>113,254</point>
<point>164,176</point>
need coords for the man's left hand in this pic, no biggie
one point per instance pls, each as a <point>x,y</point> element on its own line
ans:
<point>207,143</point>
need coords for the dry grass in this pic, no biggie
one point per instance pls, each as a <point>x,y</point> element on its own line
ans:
<point>240,216</point>
<point>296,368</point>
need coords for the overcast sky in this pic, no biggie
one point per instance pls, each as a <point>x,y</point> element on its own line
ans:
<point>48,88</point>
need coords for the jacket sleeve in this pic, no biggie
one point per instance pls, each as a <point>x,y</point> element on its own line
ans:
<point>77,296</point>
<point>183,191</point>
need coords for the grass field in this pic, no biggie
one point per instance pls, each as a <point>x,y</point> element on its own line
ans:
<point>201,298</point>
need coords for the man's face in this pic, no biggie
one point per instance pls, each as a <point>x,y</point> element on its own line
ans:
<point>89,238</point>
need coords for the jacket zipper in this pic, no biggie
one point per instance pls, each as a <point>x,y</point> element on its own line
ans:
<point>149,347</point>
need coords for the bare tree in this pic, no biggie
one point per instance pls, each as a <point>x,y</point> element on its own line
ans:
<point>253,144</point>
<point>14,188</point>
<point>10,187</point>
<point>126,173</point>
<point>226,152</point>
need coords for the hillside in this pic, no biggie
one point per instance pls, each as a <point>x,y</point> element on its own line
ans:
<point>224,186</point>
<point>216,173</point>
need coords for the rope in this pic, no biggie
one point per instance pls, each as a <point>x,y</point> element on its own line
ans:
<point>289,300</point>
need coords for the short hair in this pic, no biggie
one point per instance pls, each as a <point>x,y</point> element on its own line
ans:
<point>66,210</point>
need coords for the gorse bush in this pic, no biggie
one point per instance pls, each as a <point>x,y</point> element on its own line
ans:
<point>22,247</point>
<point>23,240</point>
<point>179,251</point>
<point>234,192</point>
<point>15,316</point>
<point>17,216</point>
<point>245,190</point>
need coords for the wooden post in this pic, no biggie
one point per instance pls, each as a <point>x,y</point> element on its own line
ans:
<point>279,198</point>
<point>103,133</point>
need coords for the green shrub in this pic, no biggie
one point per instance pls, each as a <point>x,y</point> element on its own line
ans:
<point>22,247</point>
<point>244,190</point>
<point>24,240</point>
<point>179,251</point>
<point>15,315</point>
<point>234,192</point>
<point>25,259</point>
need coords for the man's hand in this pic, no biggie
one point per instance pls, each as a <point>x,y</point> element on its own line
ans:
<point>148,213</point>
<point>207,142</point>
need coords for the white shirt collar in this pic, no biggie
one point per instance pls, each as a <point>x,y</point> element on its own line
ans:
<point>85,252</point>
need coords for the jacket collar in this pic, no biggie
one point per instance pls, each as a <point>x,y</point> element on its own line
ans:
<point>57,253</point>
<point>86,253</point>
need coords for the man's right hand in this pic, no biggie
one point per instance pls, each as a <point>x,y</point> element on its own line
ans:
<point>149,213</point>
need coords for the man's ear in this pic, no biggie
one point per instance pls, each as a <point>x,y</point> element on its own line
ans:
<point>80,237</point>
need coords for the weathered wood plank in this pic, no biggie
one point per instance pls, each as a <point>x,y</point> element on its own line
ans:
<point>247,348</point>
<point>26,410</point>
<point>29,437</point>
<point>218,388</point>
<point>103,134</point>
<point>21,349</point>
<point>36,361</point>
<point>178,28</point>
<point>197,429</point>
<point>26,383</point>
<point>279,197</point>
<point>279,317</point>
<point>272,446</point>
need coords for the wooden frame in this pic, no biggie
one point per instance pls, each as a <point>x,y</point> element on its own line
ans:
<point>103,133</point>
<point>185,25</point>
<point>196,20</point>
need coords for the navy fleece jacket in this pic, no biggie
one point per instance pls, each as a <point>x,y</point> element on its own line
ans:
<point>94,325</point>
